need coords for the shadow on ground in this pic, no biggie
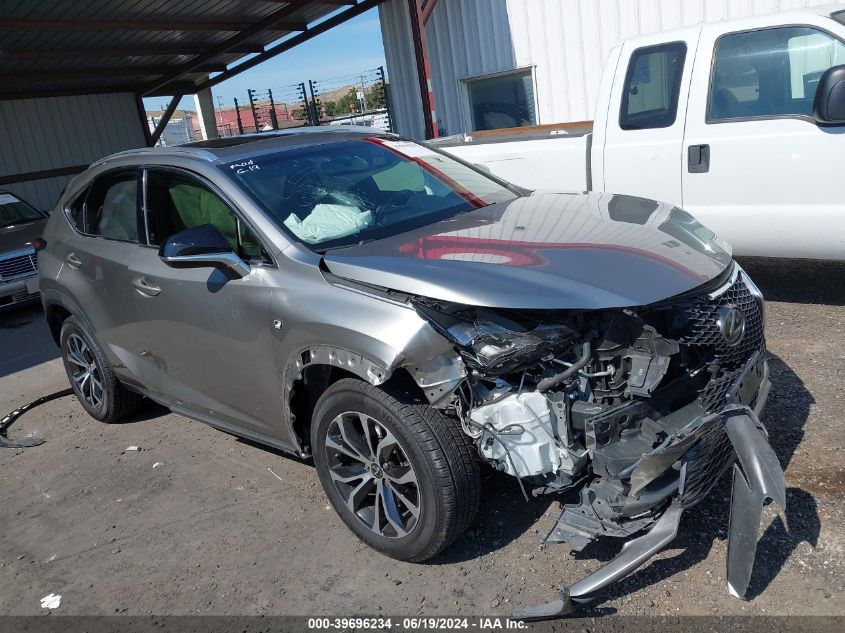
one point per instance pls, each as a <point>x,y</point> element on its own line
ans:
<point>25,340</point>
<point>798,280</point>
<point>503,517</point>
<point>785,416</point>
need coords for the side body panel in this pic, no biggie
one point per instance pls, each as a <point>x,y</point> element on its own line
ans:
<point>604,107</point>
<point>202,342</point>
<point>97,290</point>
<point>647,162</point>
<point>559,163</point>
<point>773,185</point>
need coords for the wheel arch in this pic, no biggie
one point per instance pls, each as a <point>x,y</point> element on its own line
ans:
<point>317,367</point>
<point>57,308</point>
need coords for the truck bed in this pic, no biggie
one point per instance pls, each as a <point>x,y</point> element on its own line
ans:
<point>539,157</point>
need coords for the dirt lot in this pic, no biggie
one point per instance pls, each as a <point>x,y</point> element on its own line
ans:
<point>222,526</point>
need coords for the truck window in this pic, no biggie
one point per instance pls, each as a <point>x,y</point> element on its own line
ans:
<point>652,86</point>
<point>770,72</point>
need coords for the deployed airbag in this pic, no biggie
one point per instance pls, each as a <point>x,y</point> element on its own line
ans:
<point>328,222</point>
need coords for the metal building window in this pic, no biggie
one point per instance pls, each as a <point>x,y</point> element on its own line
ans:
<point>652,87</point>
<point>502,101</point>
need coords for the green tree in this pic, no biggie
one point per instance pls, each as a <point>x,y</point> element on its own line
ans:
<point>347,103</point>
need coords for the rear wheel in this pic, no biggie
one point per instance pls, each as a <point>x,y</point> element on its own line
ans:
<point>91,375</point>
<point>400,474</point>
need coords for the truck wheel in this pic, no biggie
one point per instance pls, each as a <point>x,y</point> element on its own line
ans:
<point>91,375</point>
<point>402,476</point>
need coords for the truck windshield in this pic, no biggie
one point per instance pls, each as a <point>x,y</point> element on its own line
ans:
<point>15,211</point>
<point>345,192</point>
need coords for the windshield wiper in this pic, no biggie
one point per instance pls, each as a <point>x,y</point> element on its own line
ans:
<point>325,249</point>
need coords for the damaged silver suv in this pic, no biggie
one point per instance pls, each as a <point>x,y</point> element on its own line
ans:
<point>401,316</point>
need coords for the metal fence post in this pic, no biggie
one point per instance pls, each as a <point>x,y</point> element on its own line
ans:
<point>274,119</point>
<point>251,94</point>
<point>386,98</point>
<point>238,115</point>
<point>306,107</point>
<point>315,104</point>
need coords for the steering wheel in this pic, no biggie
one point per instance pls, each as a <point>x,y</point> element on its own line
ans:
<point>400,197</point>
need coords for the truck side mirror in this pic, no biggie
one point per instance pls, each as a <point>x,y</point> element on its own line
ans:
<point>829,104</point>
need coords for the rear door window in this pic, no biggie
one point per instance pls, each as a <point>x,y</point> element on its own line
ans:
<point>111,207</point>
<point>652,87</point>
<point>74,211</point>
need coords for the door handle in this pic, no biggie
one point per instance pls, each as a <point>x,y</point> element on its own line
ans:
<point>73,261</point>
<point>145,287</point>
<point>698,159</point>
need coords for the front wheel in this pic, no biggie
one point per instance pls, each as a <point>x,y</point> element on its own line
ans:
<point>401,475</point>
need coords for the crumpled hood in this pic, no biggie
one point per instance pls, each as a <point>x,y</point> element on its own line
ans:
<point>18,237</point>
<point>545,251</point>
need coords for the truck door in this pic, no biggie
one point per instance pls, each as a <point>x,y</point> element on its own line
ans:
<point>645,125</point>
<point>757,169</point>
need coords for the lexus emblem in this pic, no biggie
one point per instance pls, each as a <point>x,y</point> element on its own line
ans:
<point>731,324</point>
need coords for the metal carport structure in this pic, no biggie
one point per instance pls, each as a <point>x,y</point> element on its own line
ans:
<point>73,74</point>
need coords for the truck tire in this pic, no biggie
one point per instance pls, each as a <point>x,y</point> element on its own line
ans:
<point>92,377</point>
<point>402,476</point>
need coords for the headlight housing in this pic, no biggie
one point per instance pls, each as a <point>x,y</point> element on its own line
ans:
<point>499,348</point>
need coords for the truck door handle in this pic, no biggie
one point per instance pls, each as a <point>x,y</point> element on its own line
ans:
<point>145,287</point>
<point>698,159</point>
<point>73,261</point>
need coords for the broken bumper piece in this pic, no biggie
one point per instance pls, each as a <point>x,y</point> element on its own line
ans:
<point>757,476</point>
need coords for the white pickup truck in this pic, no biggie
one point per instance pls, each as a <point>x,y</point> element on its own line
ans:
<point>741,123</point>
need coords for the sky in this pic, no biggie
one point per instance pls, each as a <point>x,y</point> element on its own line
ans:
<point>349,48</point>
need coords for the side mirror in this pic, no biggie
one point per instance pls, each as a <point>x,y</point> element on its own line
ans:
<point>203,246</point>
<point>829,104</point>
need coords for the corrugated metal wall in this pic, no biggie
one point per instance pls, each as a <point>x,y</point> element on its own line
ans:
<point>49,133</point>
<point>565,41</point>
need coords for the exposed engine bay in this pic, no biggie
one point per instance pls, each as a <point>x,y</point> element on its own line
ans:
<point>626,407</point>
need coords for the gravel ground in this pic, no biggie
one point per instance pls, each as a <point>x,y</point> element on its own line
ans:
<point>199,522</point>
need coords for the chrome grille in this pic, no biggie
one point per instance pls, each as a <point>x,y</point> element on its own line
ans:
<point>704,464</point>
<point>12,268</point>
<point>704,332</point>
<point>713,395</point>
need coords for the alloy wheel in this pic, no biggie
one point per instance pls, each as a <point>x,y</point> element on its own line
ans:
<point>85,371</point>
<point>372,472</point>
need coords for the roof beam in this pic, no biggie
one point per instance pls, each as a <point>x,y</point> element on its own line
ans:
<point>165,117</point>
<point>180,87</point>
<point>40,175</point>
<point>86,73</point>
<point>312,31</point>
<point>64,92</point>
<point>271,21</point>
<point>329,2</point>
<point>141,25</point>
<point>427,8</point>
<point>105,53</point>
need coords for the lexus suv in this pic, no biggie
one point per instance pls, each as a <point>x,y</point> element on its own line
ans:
<point>20,227</point>
<point>402,317</point>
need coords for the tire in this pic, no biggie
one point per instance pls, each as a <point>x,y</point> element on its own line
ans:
<point>111,401</point>
<point>414,437</point>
